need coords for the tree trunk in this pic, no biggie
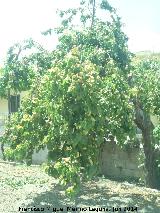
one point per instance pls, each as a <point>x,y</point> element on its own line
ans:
<point>143,121</point>
<point>153,176</point>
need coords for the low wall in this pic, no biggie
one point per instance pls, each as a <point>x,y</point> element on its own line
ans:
<point>115,162</point>
<point>37,158</point>
<point>120,163</point>
<point>40,157</point>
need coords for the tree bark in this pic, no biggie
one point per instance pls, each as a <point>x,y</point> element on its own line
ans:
<point>153,177</point>
<point>143,121</point>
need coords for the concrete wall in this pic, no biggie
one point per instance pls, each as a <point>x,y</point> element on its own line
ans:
<point>40,157</point>
<point>121,163</point>
<point>115,162</point>
<point>37,158</point>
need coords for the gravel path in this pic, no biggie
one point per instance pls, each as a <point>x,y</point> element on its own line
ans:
<point>29,187</point>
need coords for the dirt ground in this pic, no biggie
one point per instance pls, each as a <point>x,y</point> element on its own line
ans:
<point>29,189</point>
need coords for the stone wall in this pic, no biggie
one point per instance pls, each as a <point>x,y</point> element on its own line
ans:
<point>121,163</point>
<point>115,162</point>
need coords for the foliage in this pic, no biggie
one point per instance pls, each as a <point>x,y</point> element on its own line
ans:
<point>81,100</point>
<point>71,115</point>
<point>85,95</point>
<point>145,82</point>
<point>20,69</point>
<point>17,74</point>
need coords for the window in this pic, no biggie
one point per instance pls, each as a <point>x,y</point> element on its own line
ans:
<point>15,103</point>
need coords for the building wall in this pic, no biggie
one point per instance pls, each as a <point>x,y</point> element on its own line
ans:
<point>4,103</point>
<point>3,106</point>
<point>3,114</point>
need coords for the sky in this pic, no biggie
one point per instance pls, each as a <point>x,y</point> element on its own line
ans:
<point>22,19</point>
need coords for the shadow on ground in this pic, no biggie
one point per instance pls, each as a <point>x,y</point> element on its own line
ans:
<point>94,196</point>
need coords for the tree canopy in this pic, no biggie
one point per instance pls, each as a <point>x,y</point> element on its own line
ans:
<point>24,62</point>
<point>92,90</point>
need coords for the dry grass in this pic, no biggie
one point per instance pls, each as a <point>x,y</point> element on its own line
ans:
<point>26,187</point>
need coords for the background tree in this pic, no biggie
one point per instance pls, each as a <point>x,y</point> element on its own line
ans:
<point>146,100</point>
<point>25,63</point>
<point>17,75</point>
